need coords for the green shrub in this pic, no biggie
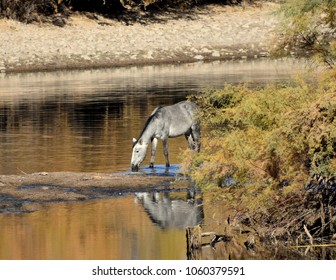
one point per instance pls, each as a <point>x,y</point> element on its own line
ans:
<point>270,152</point>
<point>308,27</point>
<point>274,135</point>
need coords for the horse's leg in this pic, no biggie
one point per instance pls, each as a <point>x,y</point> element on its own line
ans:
<point>190,140</point>
<point>196,135</point>
<point>154,144</point>
<point>165,151</point>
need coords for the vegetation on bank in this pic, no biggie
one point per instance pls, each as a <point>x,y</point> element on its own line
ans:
<point>308,26</point>
<point>272,151</point>
<point>44,10</point>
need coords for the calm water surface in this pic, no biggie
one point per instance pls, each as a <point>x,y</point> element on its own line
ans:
<point>118,228</point>
<point>84,121</point>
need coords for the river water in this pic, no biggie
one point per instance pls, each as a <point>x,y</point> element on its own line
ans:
<point>84,121</point>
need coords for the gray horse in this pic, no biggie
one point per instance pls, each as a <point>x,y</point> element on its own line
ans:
<point>166,122</point>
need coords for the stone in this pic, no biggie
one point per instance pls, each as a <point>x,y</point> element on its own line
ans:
<point>216,54</point>
<point>199,57</point>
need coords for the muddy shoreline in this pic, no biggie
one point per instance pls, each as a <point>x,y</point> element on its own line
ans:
<point>19,192</point>
<point>209,33</point>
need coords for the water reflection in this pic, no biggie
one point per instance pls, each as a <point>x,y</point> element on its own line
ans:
<point>116,228</point>
<point>168,212</point>
<point>85,120</point>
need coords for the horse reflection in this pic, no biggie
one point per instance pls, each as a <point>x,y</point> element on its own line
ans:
<point>170,213</point>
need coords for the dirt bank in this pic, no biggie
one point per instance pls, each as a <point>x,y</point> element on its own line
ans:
<point>17,192</point>
<point>208,33</point>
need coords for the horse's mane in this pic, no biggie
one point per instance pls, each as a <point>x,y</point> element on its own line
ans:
<point>147,123</point>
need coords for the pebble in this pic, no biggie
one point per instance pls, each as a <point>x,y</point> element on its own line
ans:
<point>199,57</point>
<point>85,57</point>
<point>2,67</point>
<point>216,54</point>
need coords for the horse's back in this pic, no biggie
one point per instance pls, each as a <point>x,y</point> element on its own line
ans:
<point>179,117</point>
<point>184,107</point>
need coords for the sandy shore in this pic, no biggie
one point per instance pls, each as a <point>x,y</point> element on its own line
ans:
<point>209,33</point>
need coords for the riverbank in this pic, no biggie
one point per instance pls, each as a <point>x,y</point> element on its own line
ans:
<point>212,32</point>
<point>19,193</point>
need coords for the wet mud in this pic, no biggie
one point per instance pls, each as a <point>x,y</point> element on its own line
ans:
<point>19,193</point>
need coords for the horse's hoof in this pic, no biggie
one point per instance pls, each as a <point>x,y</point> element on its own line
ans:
<point>151,165</point>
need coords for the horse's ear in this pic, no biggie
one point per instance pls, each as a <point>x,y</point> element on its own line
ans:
<point>134,140</point>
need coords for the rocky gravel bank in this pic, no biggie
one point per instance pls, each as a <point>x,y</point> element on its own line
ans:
<point>210,33</point>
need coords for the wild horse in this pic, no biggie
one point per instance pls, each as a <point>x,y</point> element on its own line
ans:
<point>167,122</point>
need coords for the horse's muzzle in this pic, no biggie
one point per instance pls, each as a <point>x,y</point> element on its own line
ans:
<point>134,168</point>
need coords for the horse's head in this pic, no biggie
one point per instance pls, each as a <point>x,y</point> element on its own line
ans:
<point>138,154</point>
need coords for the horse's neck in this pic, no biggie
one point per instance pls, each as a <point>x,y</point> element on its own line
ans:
<point>148,134</point>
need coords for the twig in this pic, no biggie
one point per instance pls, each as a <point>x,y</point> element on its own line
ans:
<point>208,233</point>
<point>313,245</point>
<point>311,239</point>
<point>298,218</point>
<point>216,238</point>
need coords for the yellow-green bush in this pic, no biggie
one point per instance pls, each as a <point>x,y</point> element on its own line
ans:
<point>275,136</point>
<point>270,152</point>
<point>308,27</point>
